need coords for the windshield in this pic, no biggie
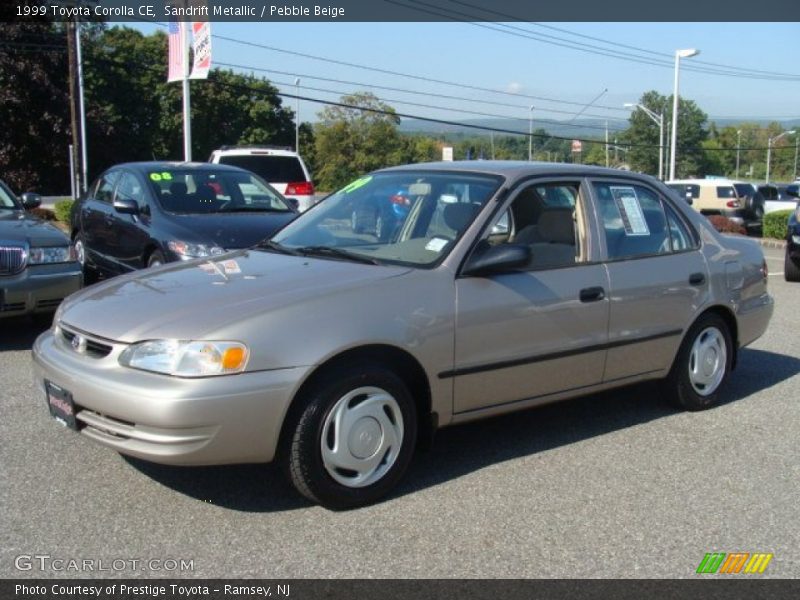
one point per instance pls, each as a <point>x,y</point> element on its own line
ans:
<point>404,217</point>
<point>204,191</point>
<point>6,197</point>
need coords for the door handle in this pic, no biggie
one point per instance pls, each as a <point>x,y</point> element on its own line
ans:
<point>697,279</point>
<point>592,294</point>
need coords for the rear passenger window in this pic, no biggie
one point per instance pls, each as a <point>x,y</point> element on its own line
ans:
<point>633,219</point>
<point>726,191</point>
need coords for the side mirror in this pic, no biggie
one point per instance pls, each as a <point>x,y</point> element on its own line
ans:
<point>793,190</point>
<point>126,206</point>
<point>497,259</point>
<point>31,200</point>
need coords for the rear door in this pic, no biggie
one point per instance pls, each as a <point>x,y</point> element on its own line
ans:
<point>657,276</point>
<point>97,215</point>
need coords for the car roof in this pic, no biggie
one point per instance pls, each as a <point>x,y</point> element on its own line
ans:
<point>517,169</point>
<point>162,164</point>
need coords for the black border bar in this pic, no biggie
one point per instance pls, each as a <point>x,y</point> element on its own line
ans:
<point>276,11</point>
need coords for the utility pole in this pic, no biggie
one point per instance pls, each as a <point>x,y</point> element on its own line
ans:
<point>72,60</point>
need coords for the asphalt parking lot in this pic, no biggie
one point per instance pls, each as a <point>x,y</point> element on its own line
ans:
<point>611,485</point>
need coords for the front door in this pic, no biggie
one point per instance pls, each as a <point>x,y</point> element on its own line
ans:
<point>543,329</point>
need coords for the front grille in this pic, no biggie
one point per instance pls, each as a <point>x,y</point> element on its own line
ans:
<point>48,303</point>
<point>12,307</point>
<point>85,345</point>
<point>12,259</point>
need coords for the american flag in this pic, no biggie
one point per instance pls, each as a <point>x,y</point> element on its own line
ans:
<point>177,48</point>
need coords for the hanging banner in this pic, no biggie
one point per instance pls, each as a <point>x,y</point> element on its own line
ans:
<point>201,32</point>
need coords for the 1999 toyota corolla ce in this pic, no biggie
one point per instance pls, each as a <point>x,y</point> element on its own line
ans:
<point>333,350</point>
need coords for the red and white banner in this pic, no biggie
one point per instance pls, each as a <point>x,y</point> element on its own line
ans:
<point>201,31</point>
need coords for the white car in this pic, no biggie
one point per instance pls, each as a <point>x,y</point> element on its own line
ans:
<point>282,168</point>
<point>777,198</point>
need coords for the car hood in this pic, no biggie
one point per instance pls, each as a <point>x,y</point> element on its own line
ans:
<point>230,230</point>
<point>18,226</point>
<point>191,299</point>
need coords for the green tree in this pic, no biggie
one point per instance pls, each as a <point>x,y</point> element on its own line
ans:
<point>34,107</point>
<point>354,139</point>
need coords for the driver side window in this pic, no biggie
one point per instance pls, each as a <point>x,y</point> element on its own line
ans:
<point>543,217</point>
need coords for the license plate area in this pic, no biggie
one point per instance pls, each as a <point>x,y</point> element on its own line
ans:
<point>61,405</point>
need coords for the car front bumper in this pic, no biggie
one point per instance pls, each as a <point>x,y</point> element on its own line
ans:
<point>164,419</point>
<point>38,288</point>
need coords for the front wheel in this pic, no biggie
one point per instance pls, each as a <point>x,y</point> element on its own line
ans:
<point>89,274</point>
<point>353,437</point>
<point>156,259</point>
<point>703,362</point>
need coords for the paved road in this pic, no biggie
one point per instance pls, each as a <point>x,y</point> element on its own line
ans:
<point>612,485</point>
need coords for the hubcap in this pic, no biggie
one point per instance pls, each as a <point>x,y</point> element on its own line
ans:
<point>707,361</point>
<point>80,253</point>
<point>362,436</point>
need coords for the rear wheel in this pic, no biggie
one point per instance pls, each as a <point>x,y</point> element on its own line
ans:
<point>353,437</point>
<point>791,270</point>
<point>703,362</point>
<point>89,273</point>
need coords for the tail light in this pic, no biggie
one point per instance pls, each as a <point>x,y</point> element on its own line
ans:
<point>733,204</point>
<point>400,200</point>
<point>300,188</point>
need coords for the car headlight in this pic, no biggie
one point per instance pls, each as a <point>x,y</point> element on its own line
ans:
<point>186,358</point>
<point>190,250</point>
<point>49,255</point>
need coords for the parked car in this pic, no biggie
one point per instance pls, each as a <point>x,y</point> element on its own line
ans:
<point>334,353</point>
<point>776,197</point>
<point>791,263</point>
<point>138,215</point>
<point>735,200</point>
<point>282,168</point>
<point>37,263</point>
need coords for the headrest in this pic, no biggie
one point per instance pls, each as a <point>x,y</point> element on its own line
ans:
<point>178,188</point>
<point>557,226</point>
<point>458,215</point>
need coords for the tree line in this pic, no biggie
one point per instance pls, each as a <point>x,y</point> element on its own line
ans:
<point>133,114</point>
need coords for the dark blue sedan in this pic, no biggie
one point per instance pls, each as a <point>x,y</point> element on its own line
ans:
<point>791,268</point>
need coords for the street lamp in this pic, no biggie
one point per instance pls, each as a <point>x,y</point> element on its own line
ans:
<point>530,135</point>
<point>297,117</point>
<point>770,141</point>
<point>679,54</point>
<point>738,147</point>
<point>659,120</point>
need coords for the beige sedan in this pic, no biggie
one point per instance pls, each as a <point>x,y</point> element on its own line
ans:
<point>498,286</point>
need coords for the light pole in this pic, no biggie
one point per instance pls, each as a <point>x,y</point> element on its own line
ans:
<point>530,135</point>
<point>297,116</point>
<point>659,120</point>
<point>796,149</point>
<point>738,146</point>
<point>679,54</point>
<point>771,141</point>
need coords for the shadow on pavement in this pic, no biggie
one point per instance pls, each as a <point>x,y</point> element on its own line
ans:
<point>467,448</point>
<point>19,333</point>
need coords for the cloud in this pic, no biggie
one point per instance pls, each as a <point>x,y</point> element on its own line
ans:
<point>514,87</point>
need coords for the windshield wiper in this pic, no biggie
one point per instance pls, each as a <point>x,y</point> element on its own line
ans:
<point>252,209</point>
<point>270,245</point>
<point>327,251</point>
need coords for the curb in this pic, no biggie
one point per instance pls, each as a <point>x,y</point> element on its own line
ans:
<point>768,243</point>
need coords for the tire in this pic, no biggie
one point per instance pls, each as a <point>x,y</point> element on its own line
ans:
<point>90,275</point>
<point>703,363</point>
<point>369,406</point>
<point>791,270</point>
<point>155,259</point>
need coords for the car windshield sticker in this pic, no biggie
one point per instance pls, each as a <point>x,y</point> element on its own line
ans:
<point>436,244</point>
<point>352,187</point>
<point>630,210</point>
<point>231,267</point>
<point>163,176</point>
<point>155,176</point>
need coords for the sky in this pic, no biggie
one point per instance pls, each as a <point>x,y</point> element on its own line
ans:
<point>506,59</point>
